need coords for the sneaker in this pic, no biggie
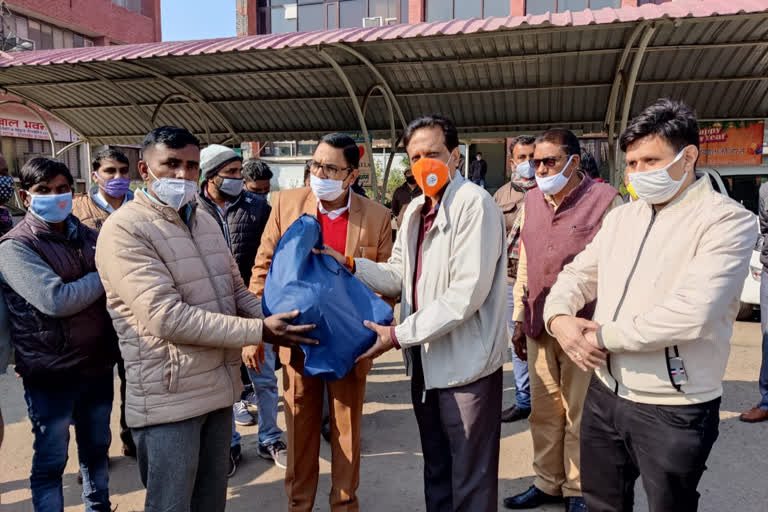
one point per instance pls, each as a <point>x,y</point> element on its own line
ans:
<point>242,416</point>
<point>276,452</point>
<point>235,457</point>
<point>251,402</point>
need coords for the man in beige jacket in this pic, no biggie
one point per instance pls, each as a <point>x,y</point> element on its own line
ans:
<point>668,270</point>
<point>182,314</point>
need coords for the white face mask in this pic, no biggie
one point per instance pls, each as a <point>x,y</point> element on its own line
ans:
<point>551,185</point>
<point>174,192</point>
<point>326,190</point>
<point>655,187</point>
<point>526,169</point>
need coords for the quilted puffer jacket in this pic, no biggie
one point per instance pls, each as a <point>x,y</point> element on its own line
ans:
<point>180,309</point>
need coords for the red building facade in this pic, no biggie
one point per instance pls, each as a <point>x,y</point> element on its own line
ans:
<point>54,24</point>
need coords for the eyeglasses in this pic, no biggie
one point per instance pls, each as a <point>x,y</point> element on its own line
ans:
<point>329,171</point>
<point>548,162</point>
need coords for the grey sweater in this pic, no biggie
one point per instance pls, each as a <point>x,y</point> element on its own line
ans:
<point>30,276</point>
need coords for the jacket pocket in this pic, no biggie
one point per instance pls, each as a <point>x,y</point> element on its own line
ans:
<point>172,368</point>
<point>582,230</point>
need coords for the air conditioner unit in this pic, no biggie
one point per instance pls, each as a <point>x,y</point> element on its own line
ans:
<point>390,21</point>
<point>374,21</point>
<point>16,44</point>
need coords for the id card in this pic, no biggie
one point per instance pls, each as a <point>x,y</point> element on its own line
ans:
<point>677,371</point>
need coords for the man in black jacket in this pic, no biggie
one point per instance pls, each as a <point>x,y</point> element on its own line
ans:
<point>242,216</point>
<point>64,340</point>
<point>477,170</point>
<point>759,412</point>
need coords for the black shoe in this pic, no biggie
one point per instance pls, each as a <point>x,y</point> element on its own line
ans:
<point>531,498</point>
<point>129,447</point>
<point>234,459</point>
<point>325,430</point>
<point>514,413</point>
<point>575,504</point>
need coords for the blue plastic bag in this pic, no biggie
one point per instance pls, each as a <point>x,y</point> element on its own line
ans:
<point>327,295</point>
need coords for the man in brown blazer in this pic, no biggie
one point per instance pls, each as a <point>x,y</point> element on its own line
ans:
<point>356,227</point>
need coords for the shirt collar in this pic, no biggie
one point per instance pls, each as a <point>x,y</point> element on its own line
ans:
<point>222,211</point>
<point>335,214</point>
<point>102,202</point>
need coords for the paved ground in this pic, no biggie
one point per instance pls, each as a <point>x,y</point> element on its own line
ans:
<point>390,478</point>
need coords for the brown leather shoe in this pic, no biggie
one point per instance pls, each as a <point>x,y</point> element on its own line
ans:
<point>754,415</point>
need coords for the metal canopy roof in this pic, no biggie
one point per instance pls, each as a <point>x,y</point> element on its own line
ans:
<point>584,70</point>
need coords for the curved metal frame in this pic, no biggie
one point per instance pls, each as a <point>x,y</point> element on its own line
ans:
<point>358,110</point>
<point>117,90</point>
<point>195,105</point>
<point>382,81</point>
<point>185,89</point>
<point>68,147</point>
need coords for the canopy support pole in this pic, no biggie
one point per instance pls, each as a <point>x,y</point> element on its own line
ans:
<point>394,139</point>
<point>610,114</point>
<point>359,111</point>
<point>362,58</point>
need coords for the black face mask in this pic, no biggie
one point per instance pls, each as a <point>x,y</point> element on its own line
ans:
<point>410,180</point>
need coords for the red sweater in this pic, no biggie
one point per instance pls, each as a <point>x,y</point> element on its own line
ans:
<point>335,231</point>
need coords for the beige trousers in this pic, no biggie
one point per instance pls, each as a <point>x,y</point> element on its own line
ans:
<point>558,388</point>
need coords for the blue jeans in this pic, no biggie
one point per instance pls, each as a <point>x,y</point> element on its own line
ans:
<point>763,380</point>
<point>520,368</point>
<point>265,388</point>
<point>86,402</point>
<point>184,464</point>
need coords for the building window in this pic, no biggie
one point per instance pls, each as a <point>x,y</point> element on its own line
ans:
<point>545,6</point>
<point>444,10</point>
<point>131,5</point>
<point>282,16</point>
<point>48,37</point>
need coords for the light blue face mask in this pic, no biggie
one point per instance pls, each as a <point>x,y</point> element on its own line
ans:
<point>51,208</point>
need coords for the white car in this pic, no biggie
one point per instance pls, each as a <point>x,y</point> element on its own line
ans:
<point>742,184</point>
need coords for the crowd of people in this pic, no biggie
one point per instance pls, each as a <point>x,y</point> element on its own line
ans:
<point>166,283</point>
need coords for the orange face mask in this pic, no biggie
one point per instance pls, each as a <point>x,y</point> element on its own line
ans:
<point>431,175</point>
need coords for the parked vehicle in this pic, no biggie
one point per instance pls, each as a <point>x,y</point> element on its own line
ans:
<point>742,184</point>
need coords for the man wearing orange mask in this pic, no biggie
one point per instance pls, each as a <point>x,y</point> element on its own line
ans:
<point>449,267</point>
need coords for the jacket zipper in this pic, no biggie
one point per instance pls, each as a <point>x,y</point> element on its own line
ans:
<point>626,288</point>
<point>207,271</point>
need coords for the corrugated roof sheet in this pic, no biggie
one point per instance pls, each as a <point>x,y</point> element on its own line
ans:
<point>495,74</point>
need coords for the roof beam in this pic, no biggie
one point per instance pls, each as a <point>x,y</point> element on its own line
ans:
<point>420,93</point>
<point>389,64</point>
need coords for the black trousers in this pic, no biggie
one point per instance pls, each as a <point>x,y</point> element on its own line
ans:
<point>668,445</point>
<point>125,432</point>
<point>460,430</point>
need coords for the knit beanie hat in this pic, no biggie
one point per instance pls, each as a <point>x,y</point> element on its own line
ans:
<point>214,157</point>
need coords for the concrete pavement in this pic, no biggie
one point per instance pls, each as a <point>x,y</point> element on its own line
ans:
<point>390,477</point>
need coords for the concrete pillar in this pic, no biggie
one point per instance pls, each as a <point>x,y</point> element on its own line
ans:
<point>517,7</point>
<point>416,11</point>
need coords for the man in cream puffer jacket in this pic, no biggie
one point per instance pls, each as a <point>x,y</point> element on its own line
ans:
<point>667,271</point>
<point>183,315</point>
